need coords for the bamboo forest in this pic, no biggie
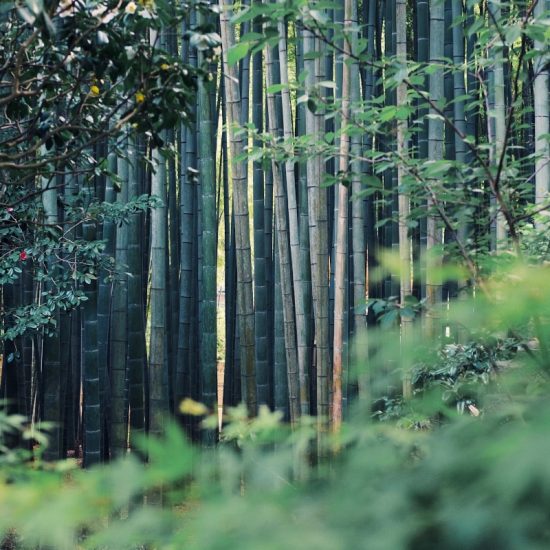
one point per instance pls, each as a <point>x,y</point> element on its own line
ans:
<point>274,274</point>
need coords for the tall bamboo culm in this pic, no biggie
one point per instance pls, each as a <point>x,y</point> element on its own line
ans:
<point>245,300</point>
<point>435,153</point>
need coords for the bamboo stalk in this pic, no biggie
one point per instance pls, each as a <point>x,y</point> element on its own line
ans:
<point>245,303</point>
<point>342,228</point>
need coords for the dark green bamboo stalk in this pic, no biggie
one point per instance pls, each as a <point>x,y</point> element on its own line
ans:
<point>305,263</point>
<point>448,83</point>
<point>207,316</point>
<point>270,222</point>
<point>232,386</point>
<point>260,275</point>
<point>91,416</point>
<point>459,91</point>
<point>118,360</point>
<point>10,383</point>
<point>105,287</point>
<point>293,227</point>
<point>422,56</point>
<point>173,249</point>
<point>269,251</point>
<point>318,232</point>
<point>187,175</point>
<point>471,80</point>
<point>280,378</point>
<point>136,361</point>
<point>158,375</point>
<point>435,153</point>
<point>28,345</point>
<point>173,262</point>
<point>51,349</point>
<point>370,89</point>
<point>358,211</point>
<point>244,76</point>
<point>391,229</point>
<point>284,257</point>
<point>403,197</point>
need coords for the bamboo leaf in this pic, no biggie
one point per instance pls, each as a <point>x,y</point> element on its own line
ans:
<point>237,52</point>
<point>327,84</point>
<point>276,88</point>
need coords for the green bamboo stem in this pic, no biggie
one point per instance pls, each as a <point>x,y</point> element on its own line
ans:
<point>136,361</point>
<point>293,227</point>
<point>261,297</point>
<point>158,375</point>
<point>341,230</point>
<point>541,114</point>
<point>245,303</point>
<point>119,343</point>
<point>435,152</point>
<point>318,233</point>
<point>91,415</point>
<point>284,258</point>
<point>207,316</point>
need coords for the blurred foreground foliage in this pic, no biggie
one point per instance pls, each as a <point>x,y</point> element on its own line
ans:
<point>463,464</point>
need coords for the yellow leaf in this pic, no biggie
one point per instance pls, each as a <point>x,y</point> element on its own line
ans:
<point>140,97</point>
<point>189,406</point>
<point>94,90</point>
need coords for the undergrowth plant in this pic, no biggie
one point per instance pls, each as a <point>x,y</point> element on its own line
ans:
<point>433,473</point>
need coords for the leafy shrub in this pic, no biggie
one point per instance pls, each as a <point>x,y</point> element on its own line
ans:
<point>472,481</point>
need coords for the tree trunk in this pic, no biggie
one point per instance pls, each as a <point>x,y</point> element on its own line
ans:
<point>284,254</point>
<point>403,197</point>
<point>158,375</point>
<point>541,94</point>
<point>341,229</point>
<point>207,317</point>
<point>90,367</point>
<point>119,343</point>
<point>293,229</point>
<point>435,152</point>
<point>136,312</point>
<point>245,303</point>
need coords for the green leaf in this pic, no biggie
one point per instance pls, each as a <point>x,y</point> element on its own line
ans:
<point>246,14</point>
<point>312,105</point>
<point>318,16</point>
<point>512,33</point>
<point>388,113</point>
<point>237,52</point>
<point>436,168</point>
<point>251,37</point>
<point>370,180</point>
<point>276,88</point>
<point>327,84</point>
<point>389,318</point>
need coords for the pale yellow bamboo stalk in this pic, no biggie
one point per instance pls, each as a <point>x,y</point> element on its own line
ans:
<point>403,198</point>
<point>341,230</point>
<point>293,228</point>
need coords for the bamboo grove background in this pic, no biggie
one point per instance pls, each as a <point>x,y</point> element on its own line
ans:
<point>254,261</point>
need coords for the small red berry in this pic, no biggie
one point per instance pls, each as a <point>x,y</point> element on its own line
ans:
<point>23,256</point>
